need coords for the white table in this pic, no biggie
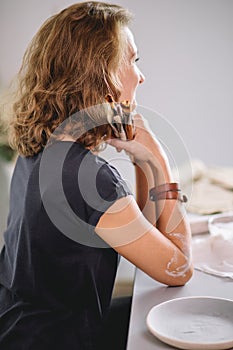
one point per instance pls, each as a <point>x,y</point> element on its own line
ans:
<point>148,293</point>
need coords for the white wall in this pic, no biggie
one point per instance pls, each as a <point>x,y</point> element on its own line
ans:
<point>186,50</point>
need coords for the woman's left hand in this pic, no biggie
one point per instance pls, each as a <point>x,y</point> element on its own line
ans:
<point>144,146</point>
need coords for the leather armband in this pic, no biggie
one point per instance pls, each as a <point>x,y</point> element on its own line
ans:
<point>167,191</point>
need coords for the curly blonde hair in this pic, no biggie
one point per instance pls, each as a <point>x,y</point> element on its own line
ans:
<point>71,64</point>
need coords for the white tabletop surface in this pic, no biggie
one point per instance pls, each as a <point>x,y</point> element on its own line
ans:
<point>148,293</point>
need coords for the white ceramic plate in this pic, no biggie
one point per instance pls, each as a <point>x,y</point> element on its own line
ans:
<point>193,323</point>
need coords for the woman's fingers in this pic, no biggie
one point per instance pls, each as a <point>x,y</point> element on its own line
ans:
<point>140,121</point>
<point>134,149</point>
<point>141,146</point>
<point>119,144</point>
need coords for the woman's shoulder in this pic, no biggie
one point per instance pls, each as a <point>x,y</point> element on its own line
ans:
<point>88,163</point>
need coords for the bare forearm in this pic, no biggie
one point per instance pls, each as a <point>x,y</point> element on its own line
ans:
<point>171,215</point>
<point>145,181</point>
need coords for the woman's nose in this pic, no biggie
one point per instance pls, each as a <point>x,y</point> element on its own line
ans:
<point>141,78</point>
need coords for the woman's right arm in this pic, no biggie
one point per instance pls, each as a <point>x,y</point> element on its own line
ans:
<point>125,228</point>
<point>163,252</point>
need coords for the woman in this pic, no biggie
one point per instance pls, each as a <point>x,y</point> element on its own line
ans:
<point>71,213</point>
